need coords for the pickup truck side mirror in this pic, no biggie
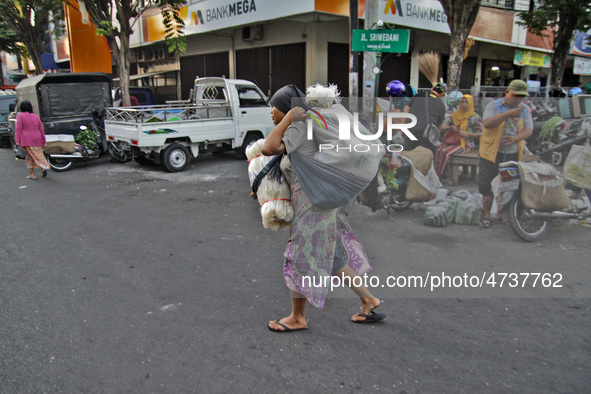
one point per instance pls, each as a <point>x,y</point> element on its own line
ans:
<point>12,107</point>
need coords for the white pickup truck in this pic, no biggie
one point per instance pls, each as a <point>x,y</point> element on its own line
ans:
<point>222,114</point>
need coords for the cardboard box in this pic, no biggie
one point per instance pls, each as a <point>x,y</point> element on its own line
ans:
<point>59,144</point>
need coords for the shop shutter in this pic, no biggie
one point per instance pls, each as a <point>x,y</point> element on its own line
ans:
<point>273,67</point>
<point>288,66</point>
<point>253,65</point>
<point>209,65</point>
<point>394,66</point>
<point>338,66</point>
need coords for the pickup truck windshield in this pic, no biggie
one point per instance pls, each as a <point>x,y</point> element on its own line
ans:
<point>250,97</point>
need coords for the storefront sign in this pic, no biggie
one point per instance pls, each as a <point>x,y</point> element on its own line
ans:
<point>395,40</point>
<point>581,45</point>
<point>210,15</point>
<point>422,14</point>
<point>531,58</point>
<point>582,66</point>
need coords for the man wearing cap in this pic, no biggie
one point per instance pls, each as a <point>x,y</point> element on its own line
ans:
<point>507,123</point>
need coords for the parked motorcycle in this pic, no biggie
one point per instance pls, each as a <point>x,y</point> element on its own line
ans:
<point>567,133</point>
<point>541,112</point>
<point>91,145</point>
<point>388,189</point>
<point>120,154</point>
<point>529,224</point>
<point>390,195</point>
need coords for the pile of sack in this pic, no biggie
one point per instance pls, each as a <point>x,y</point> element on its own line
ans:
<point>461,207</point>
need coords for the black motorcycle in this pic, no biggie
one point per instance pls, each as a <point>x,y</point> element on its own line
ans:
<point>90,144</point>
<point>389,195</point>
<point>566,133</point>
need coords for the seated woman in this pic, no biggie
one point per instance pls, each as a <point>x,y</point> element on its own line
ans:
<point>468,123</point>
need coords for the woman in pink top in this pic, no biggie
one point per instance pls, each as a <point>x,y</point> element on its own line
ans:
<point>30,136</point>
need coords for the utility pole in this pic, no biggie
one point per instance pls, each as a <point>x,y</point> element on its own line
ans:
<point>354,56</point>
<point>371,64</point>
<point>371,20</point>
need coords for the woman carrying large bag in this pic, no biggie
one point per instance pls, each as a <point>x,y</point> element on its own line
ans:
<point>322,243</point>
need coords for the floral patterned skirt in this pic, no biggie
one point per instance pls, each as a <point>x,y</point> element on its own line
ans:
<point>35,157</point>
<point>310,253</point>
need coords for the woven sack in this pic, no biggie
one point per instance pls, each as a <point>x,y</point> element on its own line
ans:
<point>542,187</point>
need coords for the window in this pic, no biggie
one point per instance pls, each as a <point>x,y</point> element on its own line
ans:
<point>498,73</point>
<point>5,102</point>
<point>505,4</point>
<point>212,93</point>
<point>251,97</point>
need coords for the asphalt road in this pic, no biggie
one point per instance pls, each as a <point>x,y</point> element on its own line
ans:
<point>121,278</point>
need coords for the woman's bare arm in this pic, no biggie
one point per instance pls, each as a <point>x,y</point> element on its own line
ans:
<point>274,142</point>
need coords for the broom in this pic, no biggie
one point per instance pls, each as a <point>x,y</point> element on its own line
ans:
<point>429,65</point>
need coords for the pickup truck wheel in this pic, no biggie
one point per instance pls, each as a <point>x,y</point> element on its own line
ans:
<point>249,140</point>
<point>176,157</point>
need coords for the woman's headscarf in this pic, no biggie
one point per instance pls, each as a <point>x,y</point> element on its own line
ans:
<point>283,99</point>
<point>460,118</point>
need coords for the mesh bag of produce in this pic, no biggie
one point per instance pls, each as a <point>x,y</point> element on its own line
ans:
<point>468,211</point>
<point>450,210</point>
<point>435,215</point>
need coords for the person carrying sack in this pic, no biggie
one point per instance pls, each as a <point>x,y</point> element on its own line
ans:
<point>321,243</point>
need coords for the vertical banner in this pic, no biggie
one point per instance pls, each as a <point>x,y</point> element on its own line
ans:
<point>89,52</point>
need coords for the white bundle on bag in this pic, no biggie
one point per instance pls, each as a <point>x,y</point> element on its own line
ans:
<point>274,195</point>
<point>256,160</point>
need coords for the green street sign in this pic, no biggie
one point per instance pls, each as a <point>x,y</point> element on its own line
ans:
<point>395,40</point>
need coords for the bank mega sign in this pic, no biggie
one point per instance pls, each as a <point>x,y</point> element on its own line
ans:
<point>421,14</point>
<point>211,15</point>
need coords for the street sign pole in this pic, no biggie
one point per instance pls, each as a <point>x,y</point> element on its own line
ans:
<point>378,69</point>
<point>369,58</point>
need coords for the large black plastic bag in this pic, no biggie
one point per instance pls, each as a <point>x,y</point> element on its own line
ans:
<point>334,177</point>
<point>348,155</point>
<point>325,186</point>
